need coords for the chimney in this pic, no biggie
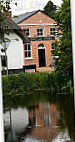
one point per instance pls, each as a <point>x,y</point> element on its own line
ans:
<point>8,14</point>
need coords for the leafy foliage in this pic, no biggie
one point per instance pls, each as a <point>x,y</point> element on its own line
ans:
<point>63,48</point>
<point>25,83</point>
<point>50,9</point>
<point>4,8</point>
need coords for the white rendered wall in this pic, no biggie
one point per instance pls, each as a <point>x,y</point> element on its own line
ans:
<point>15,52</point>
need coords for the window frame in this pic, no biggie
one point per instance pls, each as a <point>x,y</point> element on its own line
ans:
<point>28,51</point>
<point>52,31</point>
<point>27,29</point>
<point>40,32</point>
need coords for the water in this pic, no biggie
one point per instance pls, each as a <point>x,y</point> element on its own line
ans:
<point>39,117</point>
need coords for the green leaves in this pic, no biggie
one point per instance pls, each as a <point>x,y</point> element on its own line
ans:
<point>64,47</point>
<point>50,9</point>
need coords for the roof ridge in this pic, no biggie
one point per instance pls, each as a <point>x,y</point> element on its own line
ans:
<point>26,13</point>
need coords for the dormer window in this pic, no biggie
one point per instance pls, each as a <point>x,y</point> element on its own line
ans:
<point>52,31</point>
<point>27,31</point>
<point>40,32</point>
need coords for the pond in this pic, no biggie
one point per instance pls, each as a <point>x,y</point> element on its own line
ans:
<point>39,117</point>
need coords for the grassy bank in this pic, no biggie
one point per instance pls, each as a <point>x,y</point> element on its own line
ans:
<point>28,82</point>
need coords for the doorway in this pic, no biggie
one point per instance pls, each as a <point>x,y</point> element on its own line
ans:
<point>41,55</point>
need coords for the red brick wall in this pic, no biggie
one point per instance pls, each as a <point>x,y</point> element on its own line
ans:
<point>38,17</point>
<point>33,23</point>
<point>35,60</point>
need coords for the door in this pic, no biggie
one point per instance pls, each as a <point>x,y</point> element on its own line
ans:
<point>42,62</point>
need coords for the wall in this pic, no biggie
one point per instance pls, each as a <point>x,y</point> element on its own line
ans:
<point>15,52</point>
<point>39,20</point>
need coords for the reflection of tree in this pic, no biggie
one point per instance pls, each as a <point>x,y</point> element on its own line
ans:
<point>67,115</point>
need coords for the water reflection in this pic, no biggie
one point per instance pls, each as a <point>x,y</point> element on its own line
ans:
<point>44,119</point>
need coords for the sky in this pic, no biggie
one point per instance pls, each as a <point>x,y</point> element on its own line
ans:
<point>30,5</point>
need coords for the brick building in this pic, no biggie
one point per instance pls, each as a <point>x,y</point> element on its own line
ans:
<point>41,30</point>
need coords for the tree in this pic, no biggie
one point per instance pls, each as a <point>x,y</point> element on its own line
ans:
<point>63,48</point>
<point>4,8</point>
<point>50,9</point>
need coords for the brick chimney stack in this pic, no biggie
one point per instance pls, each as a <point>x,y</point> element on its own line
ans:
<point>8,14</point>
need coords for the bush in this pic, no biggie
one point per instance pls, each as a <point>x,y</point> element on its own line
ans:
<point>26,82</point>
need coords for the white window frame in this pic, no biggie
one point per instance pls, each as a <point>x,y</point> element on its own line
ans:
<point>53,31</point>
<point>40,32</point>
<point>27,29</point>
<point>28,50</point>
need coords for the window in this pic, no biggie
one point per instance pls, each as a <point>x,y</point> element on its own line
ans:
<point>4,60</point>
<point>52,31</point>
<point>41,46</point>
<point>39,32</point>
<point>27,31</point>
<point>53,45</point>
<point>28,50</point>
<point>52,38</point>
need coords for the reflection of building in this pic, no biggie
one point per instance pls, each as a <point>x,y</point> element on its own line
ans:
<point>45,124</point>
<point>16,120</point>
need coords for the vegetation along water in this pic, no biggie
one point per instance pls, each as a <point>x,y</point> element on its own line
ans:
<point>40,117</point>
<point>30,82</point>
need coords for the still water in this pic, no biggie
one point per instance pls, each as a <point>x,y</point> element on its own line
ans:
<point>39,117</point>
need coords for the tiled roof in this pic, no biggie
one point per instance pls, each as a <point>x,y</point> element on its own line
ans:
<point>9,24</point>
<point>23,16</point>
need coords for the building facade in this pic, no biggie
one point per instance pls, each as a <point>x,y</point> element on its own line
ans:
<point>41,30</point>
<point>14,58</point>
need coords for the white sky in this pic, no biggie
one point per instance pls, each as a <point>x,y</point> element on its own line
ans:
<point>31,5</point>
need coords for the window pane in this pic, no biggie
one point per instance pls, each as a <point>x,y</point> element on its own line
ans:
<point>26,31</point>
<point>41,30</point>
<point>38,34</point>
<point>37,30</point>
<point>41,33</point>
<point>29,53</point>
<point>53,29</point>
<point>25,47</point>
<point>25,54</point>
<point>41,45</point>
<point>29,48</point>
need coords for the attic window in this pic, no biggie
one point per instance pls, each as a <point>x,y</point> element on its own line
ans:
<point>27,31</point>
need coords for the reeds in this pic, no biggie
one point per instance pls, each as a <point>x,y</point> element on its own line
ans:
<point>29,82</point>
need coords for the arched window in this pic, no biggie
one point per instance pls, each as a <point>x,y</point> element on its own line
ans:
<point>41,46</point>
